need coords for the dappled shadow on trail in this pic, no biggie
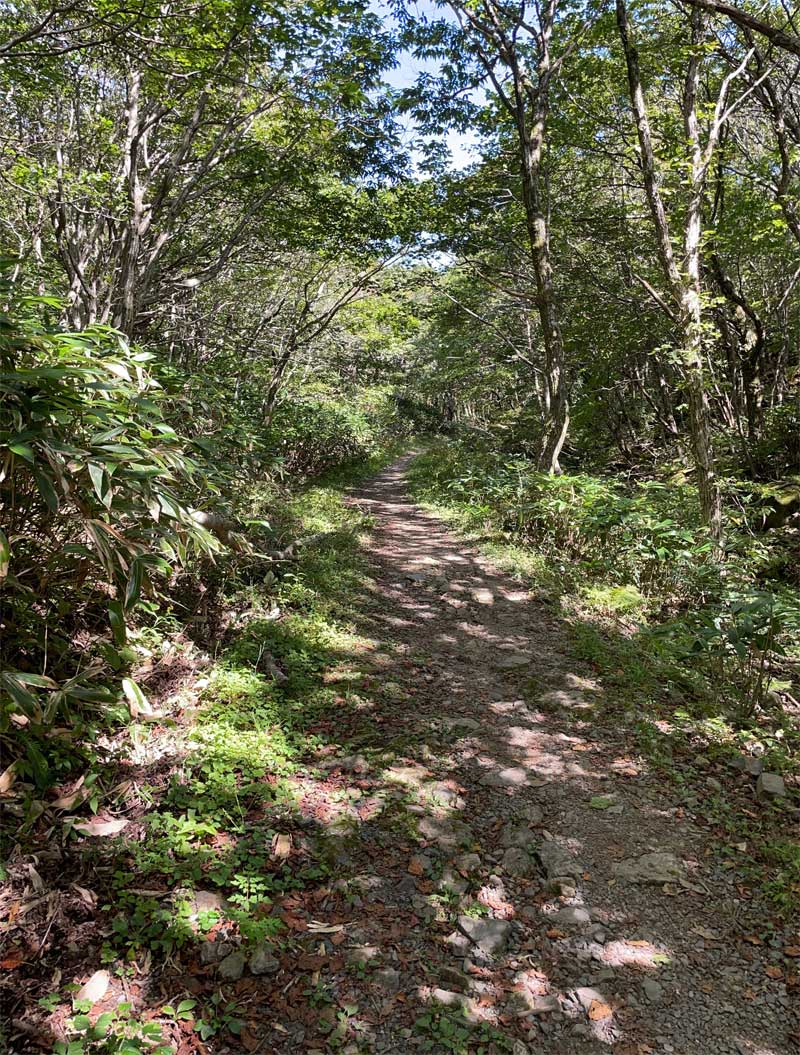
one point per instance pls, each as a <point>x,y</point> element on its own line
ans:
<point>467,848</point>
<point>617,934</point>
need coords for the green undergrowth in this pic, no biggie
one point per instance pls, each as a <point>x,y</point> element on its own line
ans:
<point>697,660</point>
<point>259,709</point>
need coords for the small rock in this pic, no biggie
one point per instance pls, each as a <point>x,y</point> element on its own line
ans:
<point>653,991</point>
<point>572,916</point>
<point>770,786</point>
<point>452,882</point>
<point>531,813</point>
<point>518,862</point>
<point>451,999</point>
<point>214,951</point>
<point>461,723</point>
<point>361,954</point>
<point>454,978</point>
<point>512,662</point>
<point>511,777</point>
<point>468,863</point>
<point>387,978</point>
<point>518,835</point>
<point>448,834</point>
<point>753,766</point>
<point>586,996</point>
<point>558,861</point>
<point>650,868</point>
<point>490,935</point>
<point>263,961</point>
<point>231,968</point>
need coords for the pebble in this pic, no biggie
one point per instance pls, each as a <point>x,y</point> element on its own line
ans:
<point>231,968</point>
<point>489,935</point>
<point>263,961</point>
<point>653,991</point>
<point>770,786</point>
<point>650,868</point>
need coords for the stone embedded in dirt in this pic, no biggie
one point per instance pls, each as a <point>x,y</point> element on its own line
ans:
<point>510,777</point>
<point>460,723</point>
<point>361,954</point>
<point>482,596</point>
<point>446,833</point>
<point>653,990</point>
<point>565,700</point>
<point>231,968</point>
<point>770,786</point>
<point>95,989</point>
<point>214,951</point>
<point>441,793</point>
<point>263,961</point>
<point>489,935</point>
<point>468,863</point>
<point>206,901</point>
<point>518,835</point>
<point>513,661</point>
<point>454,978</point>
<point>458,1000</point>
<point>348,764</point>
<point>459,943</point>
<point>451,882</point>
<point>518,862</point>
<point>558,862</point>
<point>387,978</point>
<point>658,867</point>
<point>530,813</point>
<point>587,997</point>
<point>572,916</point>
<point>748,764</point>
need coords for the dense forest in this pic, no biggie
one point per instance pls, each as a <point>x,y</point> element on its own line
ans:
<point>251,255</point>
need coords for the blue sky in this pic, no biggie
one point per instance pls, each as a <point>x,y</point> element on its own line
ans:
<point>460,144</point>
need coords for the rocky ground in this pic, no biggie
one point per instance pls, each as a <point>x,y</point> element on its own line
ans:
<point>501,875</point>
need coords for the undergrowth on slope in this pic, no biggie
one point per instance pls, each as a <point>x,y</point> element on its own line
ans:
<point>697,659</point>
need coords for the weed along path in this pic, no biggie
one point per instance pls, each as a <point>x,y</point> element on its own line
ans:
<point>508,879</point>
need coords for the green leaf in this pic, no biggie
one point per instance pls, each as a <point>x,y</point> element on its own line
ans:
<point>101,483</point>
<point>116,619</point>
<point>133,590</point>
<point>22,450</point>
<point>5,554</point>
<point>46,490</point>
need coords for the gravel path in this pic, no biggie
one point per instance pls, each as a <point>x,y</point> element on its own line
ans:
<point>603,921</point>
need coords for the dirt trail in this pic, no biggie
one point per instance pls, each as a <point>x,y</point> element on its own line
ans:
<point>596,919</point>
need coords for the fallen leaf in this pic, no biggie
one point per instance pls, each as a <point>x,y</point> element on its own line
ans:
<point>704,932</point>
<point>249,1041</point>
<point>599,1010</point>
<point>554,932</point>
<point>791,950</point>
<point>7,778</point>
<point>95,989</point>
<point>773,972</point>
<point>101,828</point>
<point>281,845</point>
<point>13,960</point>
<point>325,928</point>
<point>415,867</point>
<point>78,795</point>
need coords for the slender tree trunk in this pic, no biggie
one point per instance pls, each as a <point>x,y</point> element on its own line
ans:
<point>556,417</point>
<point>685,287</point>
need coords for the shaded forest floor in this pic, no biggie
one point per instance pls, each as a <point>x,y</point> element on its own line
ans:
<point>433,835</point>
